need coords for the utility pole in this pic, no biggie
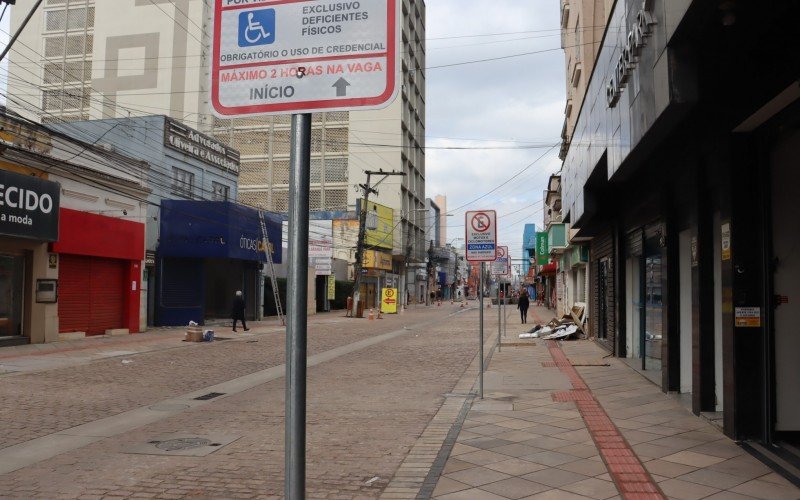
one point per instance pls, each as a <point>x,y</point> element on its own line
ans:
<point>21,27</point>
<point>362,232</point>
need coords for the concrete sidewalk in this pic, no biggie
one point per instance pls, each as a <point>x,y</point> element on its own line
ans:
<point>566,421</point>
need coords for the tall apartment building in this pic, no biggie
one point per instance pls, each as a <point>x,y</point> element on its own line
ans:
<point>86,59</point>
<point>583,23</point>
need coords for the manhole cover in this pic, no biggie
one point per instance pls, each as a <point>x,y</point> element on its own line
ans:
<point>182,444</point>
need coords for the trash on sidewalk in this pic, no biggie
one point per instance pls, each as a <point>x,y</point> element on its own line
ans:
<point>127,361</point>
<point>208,335</point>
<point>562,329</point>
<point>194,333</point>
<point>369,483</point>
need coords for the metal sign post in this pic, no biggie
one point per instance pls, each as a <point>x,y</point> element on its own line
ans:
<point>499,318</point>
<point>480,307</point>
<point>481,246</point>
<point>297,326</point>
<point>272,57</point>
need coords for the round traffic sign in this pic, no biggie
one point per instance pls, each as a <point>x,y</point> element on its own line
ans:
<point>480,222</point>
<point>501,252</point>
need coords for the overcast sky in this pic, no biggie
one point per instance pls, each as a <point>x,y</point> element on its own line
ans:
<point>512,102</point>
<point>508,103</point>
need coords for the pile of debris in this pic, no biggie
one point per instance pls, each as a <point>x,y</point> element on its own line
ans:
<point>560,329</point>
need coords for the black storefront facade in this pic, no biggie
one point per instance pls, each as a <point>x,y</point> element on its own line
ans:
<point>683,171</point>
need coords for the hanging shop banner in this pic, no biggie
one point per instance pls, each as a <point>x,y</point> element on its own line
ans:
<point>389,300</point>
<point>481,235</point>
<point>303,56</point>
<point>28,206</point>
<point>542,249</point>
<point>331,287</point>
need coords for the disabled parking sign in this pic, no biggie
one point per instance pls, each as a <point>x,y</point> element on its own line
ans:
<point>303,56</point>
<point>256,27</point>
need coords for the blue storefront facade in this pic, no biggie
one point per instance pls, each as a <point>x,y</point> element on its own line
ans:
<point>207,250</point>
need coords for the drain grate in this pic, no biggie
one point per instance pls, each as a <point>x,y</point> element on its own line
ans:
<point>210,395</point>
<point>182,444</point>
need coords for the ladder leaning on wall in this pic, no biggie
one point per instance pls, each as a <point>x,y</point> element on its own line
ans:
<point>268,252</point>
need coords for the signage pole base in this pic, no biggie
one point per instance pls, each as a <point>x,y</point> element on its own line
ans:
<point>297,302</point>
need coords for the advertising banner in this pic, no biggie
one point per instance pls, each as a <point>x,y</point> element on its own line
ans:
<point>542,249</point>
<point>380,226</point>
<point>374,259</point>
<point>331,287</point>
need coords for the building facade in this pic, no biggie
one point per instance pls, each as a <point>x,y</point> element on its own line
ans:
<point>77,271</point>
<point>82,59</point>
<point>681,170</point>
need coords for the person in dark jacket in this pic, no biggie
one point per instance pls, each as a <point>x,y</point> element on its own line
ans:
<point>522,304</point>
<point>238,311</point>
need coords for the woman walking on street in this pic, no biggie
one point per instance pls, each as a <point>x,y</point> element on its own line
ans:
<point>522,304</point>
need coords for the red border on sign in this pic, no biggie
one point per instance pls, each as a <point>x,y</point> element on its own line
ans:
<point>391,67</point>
<point>488,225</point>
<point>466,234</point>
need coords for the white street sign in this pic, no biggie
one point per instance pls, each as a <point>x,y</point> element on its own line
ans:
<point>481,235</point>
<point>500,264</point>
<point>303,56</point>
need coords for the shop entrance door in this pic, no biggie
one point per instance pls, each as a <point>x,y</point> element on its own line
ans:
<point>12,272</point>
<point>786,258</point>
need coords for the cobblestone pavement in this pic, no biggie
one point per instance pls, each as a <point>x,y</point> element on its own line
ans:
<point>366,409</point>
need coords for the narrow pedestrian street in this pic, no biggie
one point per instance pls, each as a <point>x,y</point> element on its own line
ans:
<point>393,412</point>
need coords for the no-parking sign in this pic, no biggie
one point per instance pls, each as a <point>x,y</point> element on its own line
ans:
<point>303,56</point>
<point>500,264</point>
<point>481,235</point>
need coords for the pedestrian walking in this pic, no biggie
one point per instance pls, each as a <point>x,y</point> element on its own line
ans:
<point>522,304</point>
<point>238,310</point>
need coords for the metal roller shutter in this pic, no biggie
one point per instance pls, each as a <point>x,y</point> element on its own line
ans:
<point>73,301</point>
<point>106,292</point>
<point>91,294</point>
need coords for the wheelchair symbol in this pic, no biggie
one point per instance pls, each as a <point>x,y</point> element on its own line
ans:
<point>257,27</point>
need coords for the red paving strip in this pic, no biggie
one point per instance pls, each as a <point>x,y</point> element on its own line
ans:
<point>629,475</point>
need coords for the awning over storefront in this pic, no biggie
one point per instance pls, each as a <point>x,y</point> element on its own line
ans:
<point>216,229</point>
<point>548,269</point>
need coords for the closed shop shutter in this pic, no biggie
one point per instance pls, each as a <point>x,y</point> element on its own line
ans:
<point>602,254</point>
<point>91,294</point>
<point>106,291</point>
<point>73,301</point>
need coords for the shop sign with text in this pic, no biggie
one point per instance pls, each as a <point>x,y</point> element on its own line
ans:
<point>29,206</point>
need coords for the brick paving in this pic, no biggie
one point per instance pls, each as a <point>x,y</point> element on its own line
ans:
<point>548,429</point>
<point>380,420</point>
<point>366,410</point>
